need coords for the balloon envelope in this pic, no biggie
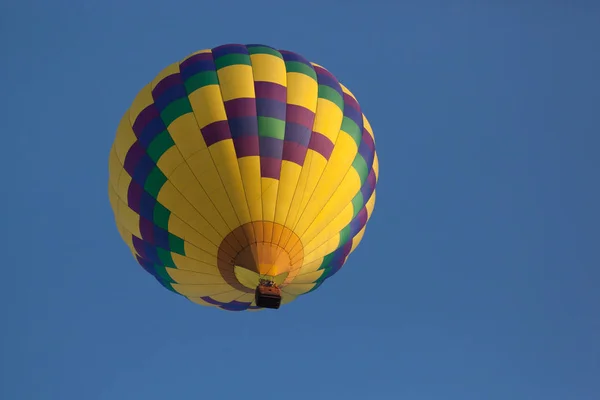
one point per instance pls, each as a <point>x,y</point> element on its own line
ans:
<point>239,163</point>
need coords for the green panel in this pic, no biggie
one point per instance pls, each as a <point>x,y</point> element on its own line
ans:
<point>360,165</point>
<point>200,80</point>
<point>175,110</point>
<point>161,216</point>
<point>327,92</point>
<point>177,244</point>
<point>232,59</point>
<point>264,50</point>
<point>349,126</point>
<point>301,68</point>
<point>159,145</point>
<point>155,182</point>
<point>271,127</point>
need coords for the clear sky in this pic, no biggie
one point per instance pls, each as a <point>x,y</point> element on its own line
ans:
<point>477,278</point>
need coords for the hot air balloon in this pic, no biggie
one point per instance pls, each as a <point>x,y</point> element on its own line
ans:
<point>243,176</point>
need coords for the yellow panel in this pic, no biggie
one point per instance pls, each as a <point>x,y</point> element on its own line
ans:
<point>113,198</point>
<point>182,229</point>
<point>367,127</point>
<point>223,153</point>
<point>124,138</point>
<point>347,91</point>
<point>169,161</point>
<point>197,52</point>
<point>198,254</point>
<point>194,278</point>
<point>142,100</point>
<point>308,277</point>
<point>123,185</point>
<point>172,199</point>
<point>298,289</point>
<point>338,166</point>
<point>268,68</point>
<point>169,70</point>
<point>302,90</point>
<point>207,104</point>
<point>311,172</point>
<point>332,230</point>
<point>356,240</point>
<point>371,203</point>
<point>186,183</point>
<point>114,168</point>
<point>201,302</point>
<point>288,181</point>
<point>328,119</point>
<point>233,295</point>
<point>250,170</point>
<point>376,167</point>
<point>236,82</point>
<point>186,135</point>
<point>201,290</point>
<point>206,172</point>
<point>128,218</point>
<point>126,236</point>
<point>270,188</point>
<point>341,199</point>
<point>189,264</point>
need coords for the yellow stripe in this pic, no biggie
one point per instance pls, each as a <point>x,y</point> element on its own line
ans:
<point>194,278</point>
<point>201,290</point>
<point>288,181</point>
<point>328,119</point>
<point>341,199</point>
<point>328,234</point>
<point>270,189</point>
<point>338,166</point>
<point>223,153</point>
<point>236,82</point>
<point>250,171</point>
<point>142,100</point>
<point>125,138</point>
<point>268,68</point>
<point>302,90</point>
<point>207,104</point>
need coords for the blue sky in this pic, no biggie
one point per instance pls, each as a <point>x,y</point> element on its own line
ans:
<point>480,262</point>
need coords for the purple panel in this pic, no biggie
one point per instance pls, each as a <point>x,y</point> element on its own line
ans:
<point>243,126</point>
<point>294,152</point>
<point>226,49</point>
<point>216,132</point>
<point>147,204</point>
<point>201,63</point>
<point>354,115</point>
<point>166,83</point>
<point>148,114</point>
<point>246,146</point>
<point>134,196</point>
<point>368,139</point>
<point>270,108</point>
<point>297,133</point>
<point>270,167</point>
<point>143,169</point>
<point>323,72</point>
<point>147,265</point>
<point>300,115</point>
<point>151,130</point>
<point>270,90</point>
<point>366,153</point>
<point>147,230</point>
<point>196,58</point>
<point>291,56</point>
<point>369,186</point>
<point>133,157</point>
<point>321,144</point>
<point>138,245</point>
<point>358,222</point>
<point>350,101</point>
<point>270,147</point>
<point>329,80</point>
<point>168,96</point>
<point>245,107</point>
<point>161,238</point>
